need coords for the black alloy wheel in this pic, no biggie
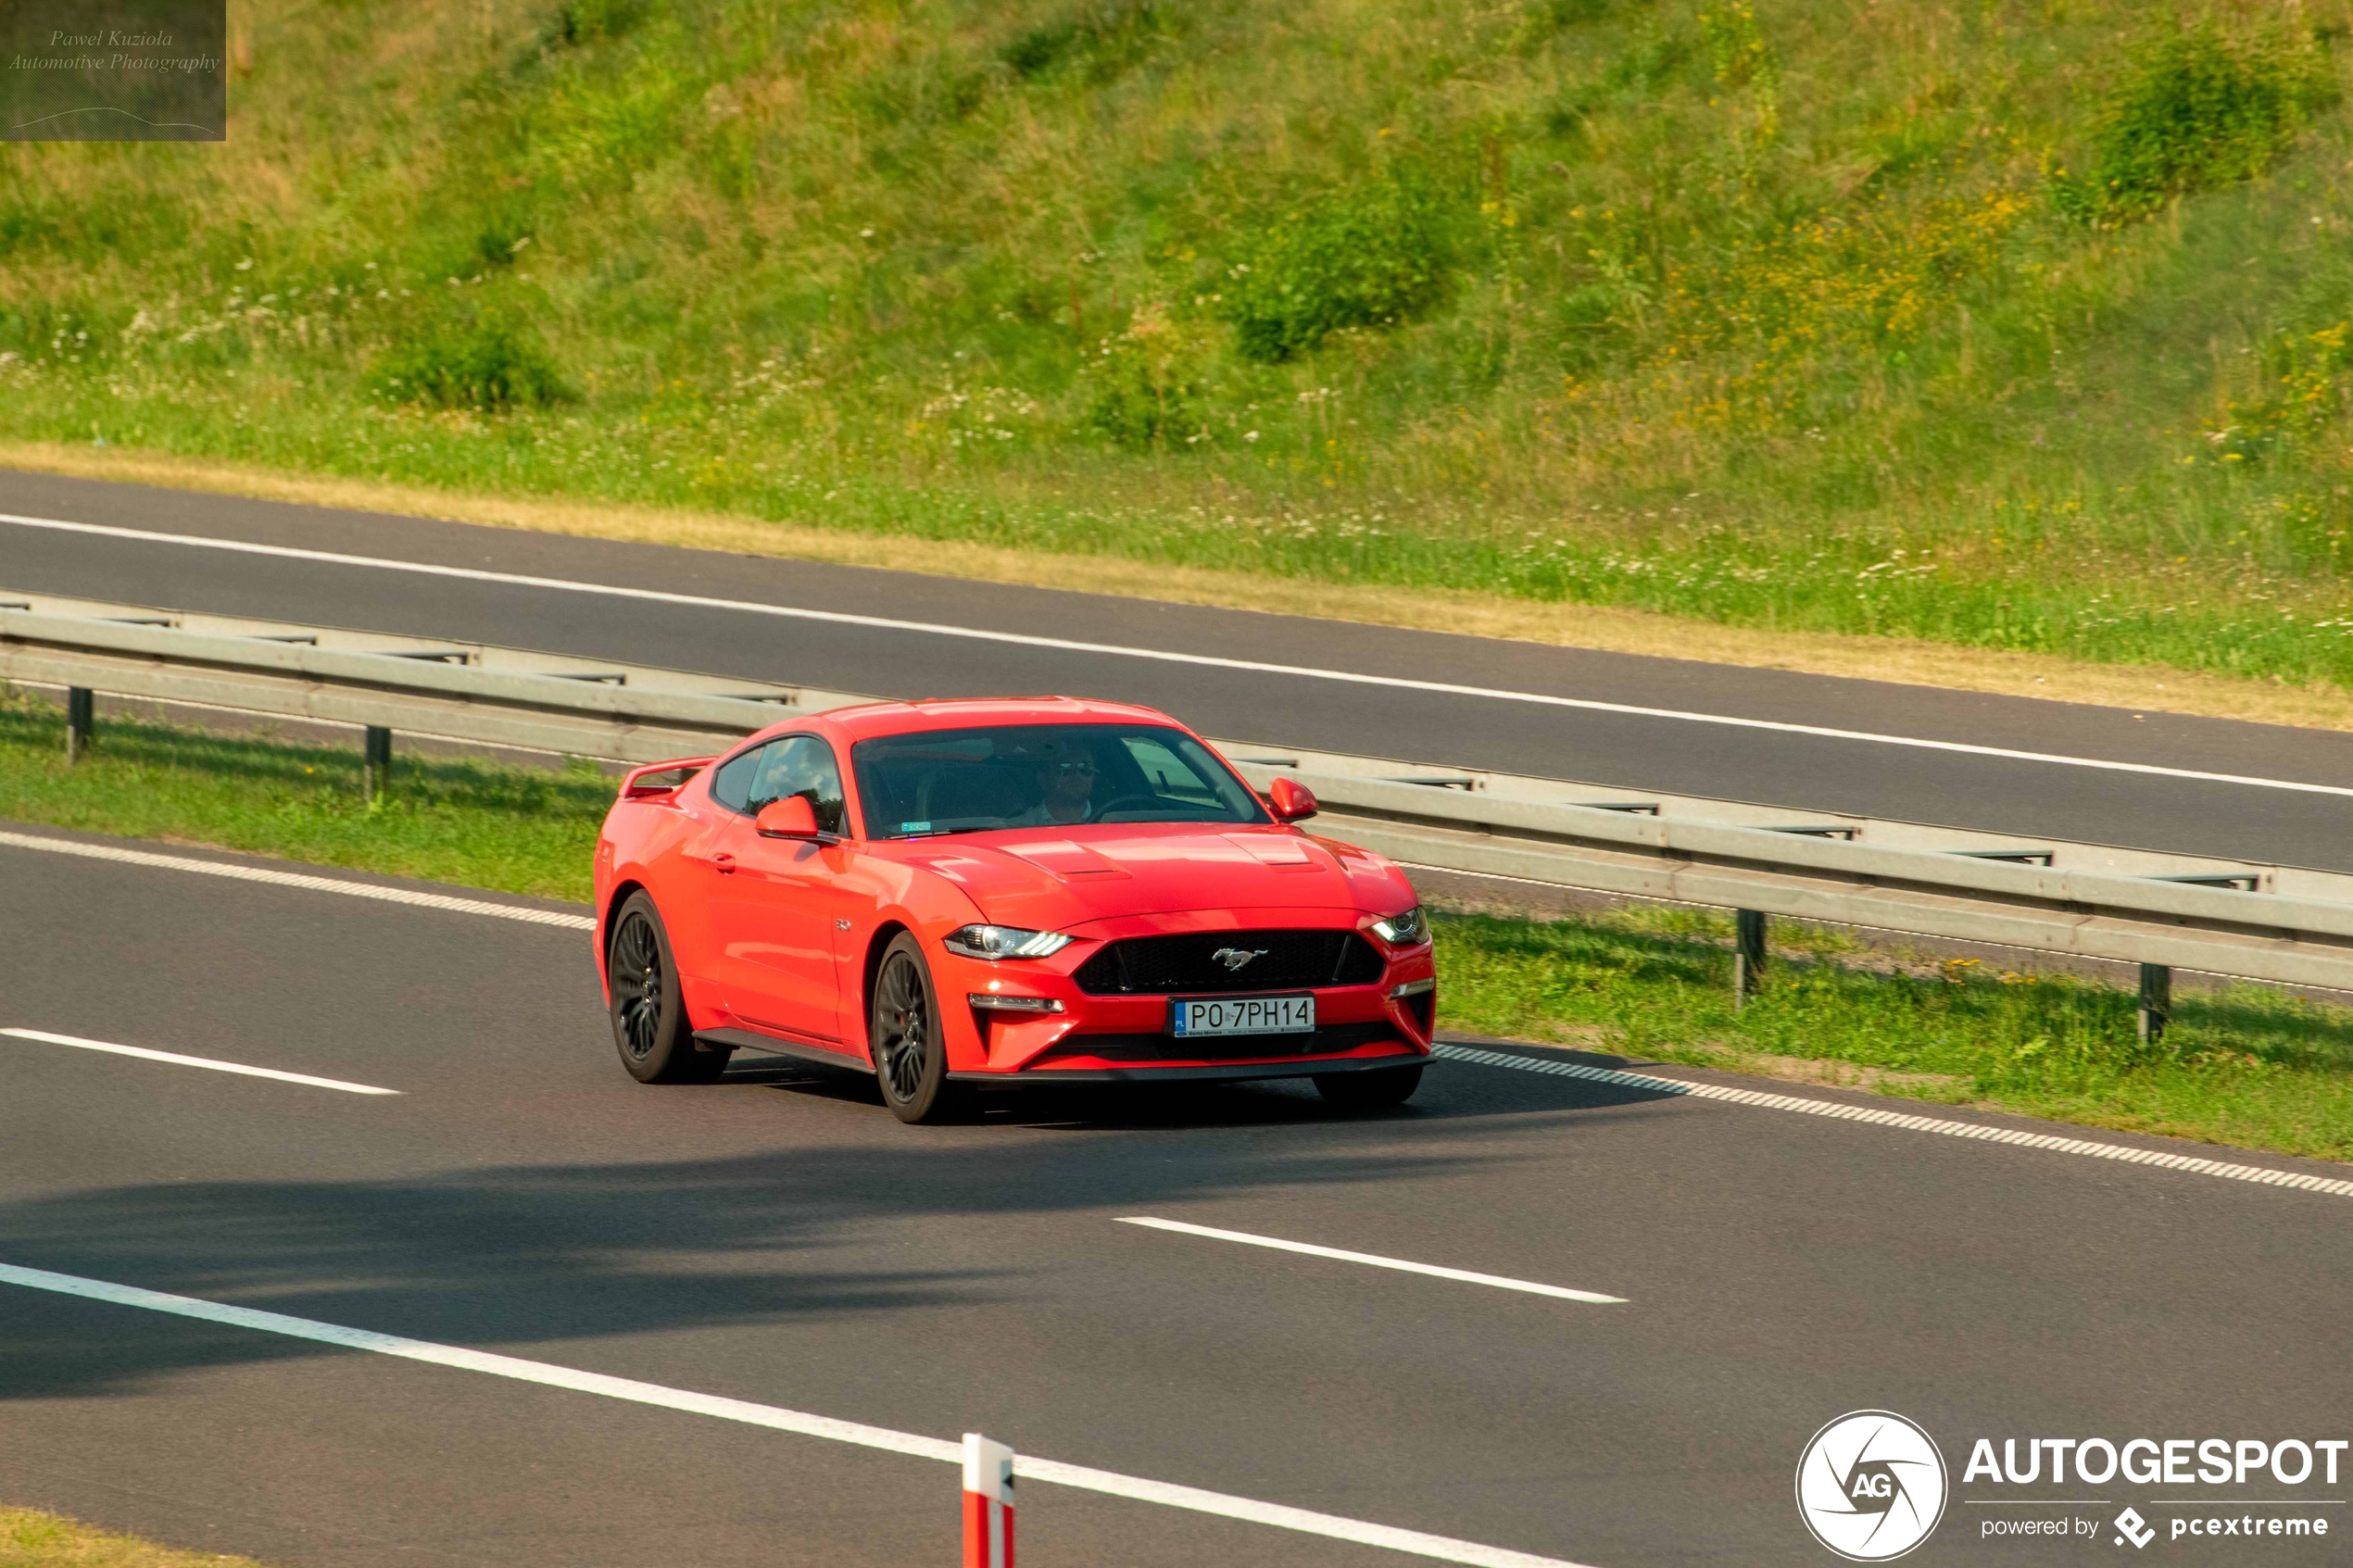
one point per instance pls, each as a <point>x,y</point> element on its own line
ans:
<point>648,1014</point>
<point>903,1035</point>
<point>637,975</point>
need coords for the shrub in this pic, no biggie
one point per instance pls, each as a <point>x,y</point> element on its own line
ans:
<point>486,364</point>
<point>586,22</point>
<point>1147,386</point>
<point>2198,108</point>
<point>1108,36</point>
<point>1370,257</point>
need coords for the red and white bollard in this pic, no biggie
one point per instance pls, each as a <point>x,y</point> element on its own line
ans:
<point>988,1503</point>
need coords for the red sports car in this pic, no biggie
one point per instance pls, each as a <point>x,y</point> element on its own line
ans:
<point>960,895</point>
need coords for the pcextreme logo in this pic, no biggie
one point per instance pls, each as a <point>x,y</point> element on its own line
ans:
<point>1871,1486</point>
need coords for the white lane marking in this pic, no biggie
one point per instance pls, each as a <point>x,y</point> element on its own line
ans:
<point>2301,1180</point>
<point>1399,683</point>
<point>176,1059</point>
<point>1336,1527</point>
<point>298,879</point>
<point>1247,1240</point>
<point>2304,1181</point>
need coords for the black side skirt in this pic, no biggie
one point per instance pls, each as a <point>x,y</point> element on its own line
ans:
<point>745,1040</point>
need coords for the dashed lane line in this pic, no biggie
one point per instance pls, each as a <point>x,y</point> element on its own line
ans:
<point>1373,1260</point>
<point>211,1063</point>
<point>1162,655</point>
<point>2301,1181</point>
<point>1415,1543</point>
<point>1839,1110</point>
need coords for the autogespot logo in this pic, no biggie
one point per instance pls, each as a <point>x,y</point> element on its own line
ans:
<point>1871,1485</point>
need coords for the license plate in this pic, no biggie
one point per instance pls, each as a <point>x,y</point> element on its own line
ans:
<point>1191,1017</point>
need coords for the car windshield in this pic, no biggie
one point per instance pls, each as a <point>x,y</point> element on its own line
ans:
<point>1042,775</point>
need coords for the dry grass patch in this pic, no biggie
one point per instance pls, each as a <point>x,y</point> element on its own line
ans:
<point>2151,688</point>
<point>30,1538</point>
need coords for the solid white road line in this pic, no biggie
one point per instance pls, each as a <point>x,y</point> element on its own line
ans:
<point>176,1059</point>
<point>1444,688</point>
<point>2301,1180</point>
<point>1440,1547</point>
<point>298,879</point>
<point>1498,1281</point>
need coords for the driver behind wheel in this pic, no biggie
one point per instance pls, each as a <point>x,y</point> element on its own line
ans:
<point>1065,787</point>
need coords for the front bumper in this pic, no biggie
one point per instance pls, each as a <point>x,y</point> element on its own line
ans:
<point>1117,1037</point>
<point>1385,1054</point>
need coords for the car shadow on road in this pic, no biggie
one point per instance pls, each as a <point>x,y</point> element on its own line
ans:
<point>1451,1090</point>
<point>539,1255</point>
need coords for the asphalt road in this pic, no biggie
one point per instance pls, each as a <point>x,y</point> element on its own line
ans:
<point>1803,771</point>
<point>778,1238</point>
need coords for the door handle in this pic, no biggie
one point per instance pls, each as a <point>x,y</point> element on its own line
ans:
<point>723,863</point>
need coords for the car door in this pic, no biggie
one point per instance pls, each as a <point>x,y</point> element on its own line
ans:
<point>781,908</point>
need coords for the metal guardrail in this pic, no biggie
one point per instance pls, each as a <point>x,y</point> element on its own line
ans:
<point>2150,921</point>
<point>462,692</point>
<point>2284,925</point>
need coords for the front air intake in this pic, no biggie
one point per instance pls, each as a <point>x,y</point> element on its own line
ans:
<point>1191,964</point>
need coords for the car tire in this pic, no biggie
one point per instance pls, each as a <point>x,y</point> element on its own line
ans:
<point>1379,1089</point>
<point>904,1037</point>
<point>648,1012</point>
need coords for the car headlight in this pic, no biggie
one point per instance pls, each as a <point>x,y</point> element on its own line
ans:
<point>1005,942</point>
<point>1404,930</point>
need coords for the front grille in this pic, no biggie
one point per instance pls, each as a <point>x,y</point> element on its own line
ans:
<point>1330,1040</point>
<point>1287,960</point>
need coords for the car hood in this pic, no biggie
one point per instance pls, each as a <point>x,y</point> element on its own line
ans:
<point>1050,879</point>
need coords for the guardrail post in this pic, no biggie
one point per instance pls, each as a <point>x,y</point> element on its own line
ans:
<point>1748,954</point>
<point>379,764</point>
<point>82,720</point>
<point>2156,1001</point>
<point>988,1503</point>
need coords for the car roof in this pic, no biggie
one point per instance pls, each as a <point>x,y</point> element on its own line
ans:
<point>871,718</point>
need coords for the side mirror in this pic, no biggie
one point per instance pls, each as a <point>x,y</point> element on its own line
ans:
<point>789,818</point>
<point>1290,800</point>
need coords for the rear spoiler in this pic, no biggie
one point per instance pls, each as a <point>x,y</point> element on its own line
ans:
<point>651,783</point>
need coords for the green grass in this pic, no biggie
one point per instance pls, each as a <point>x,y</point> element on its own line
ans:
<point>513,829</point>
<point>2244,1066</point>
<point>30,1538</point>
<point>2003,325</point>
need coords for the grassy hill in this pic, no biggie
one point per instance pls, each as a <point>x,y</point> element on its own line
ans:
<point>2019,325</point>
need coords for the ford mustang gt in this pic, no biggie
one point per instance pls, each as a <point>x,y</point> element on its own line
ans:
<point>959,895</point>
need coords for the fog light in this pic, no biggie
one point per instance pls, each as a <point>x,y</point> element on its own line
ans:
<point>1412,988</point>
<point>996,1003</point>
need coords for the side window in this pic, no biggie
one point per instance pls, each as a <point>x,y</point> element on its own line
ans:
<point>1167,774</point>
<point>731,785</point>
<point>801,765</point>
